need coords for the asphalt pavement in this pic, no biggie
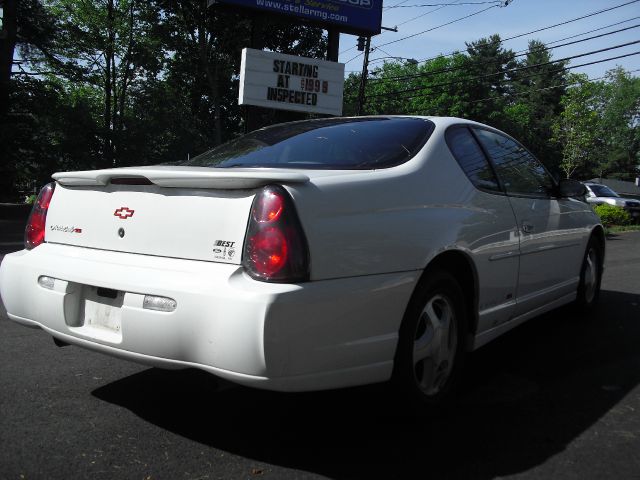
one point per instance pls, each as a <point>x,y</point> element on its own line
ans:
<point>558,397</point>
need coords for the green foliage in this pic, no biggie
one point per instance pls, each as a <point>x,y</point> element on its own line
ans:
<point>611,215</point>
<point>620,124</point>
<point>599,127</point>
<point>623,228</point>
<point>487,83</point>
<point>50,131</point>
<point>124,82</point>
<point>577,128</point>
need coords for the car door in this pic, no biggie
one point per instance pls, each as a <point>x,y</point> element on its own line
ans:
<point>549,238</point>
<point>491,232</point>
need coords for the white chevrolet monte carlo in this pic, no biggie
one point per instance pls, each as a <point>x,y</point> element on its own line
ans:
<point>310,255</point>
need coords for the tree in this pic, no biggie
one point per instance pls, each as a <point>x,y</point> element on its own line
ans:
<point>578,128</point>
<point>487,67</point>
<point>27,29</point>
<point>105,45</point>
<point>203,64</point>
<point>620,124</point>
<point>599,126</point>
<point>538,87</point>
<point>7,46</point>
<point>435,87</point>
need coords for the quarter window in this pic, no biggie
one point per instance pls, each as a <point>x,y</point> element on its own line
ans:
<point>469,155</point>
<point>519,171</point>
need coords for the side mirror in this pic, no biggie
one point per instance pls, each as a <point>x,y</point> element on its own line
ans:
<point>571,188</point>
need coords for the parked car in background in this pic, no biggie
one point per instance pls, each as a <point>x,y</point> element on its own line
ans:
<point>310,255</point>
<point>597,194</point>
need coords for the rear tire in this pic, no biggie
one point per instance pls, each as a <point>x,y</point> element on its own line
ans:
<point>431,347</point>
<point>590,277</point>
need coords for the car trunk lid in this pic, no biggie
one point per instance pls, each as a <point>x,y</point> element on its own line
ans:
<point>178,212</point>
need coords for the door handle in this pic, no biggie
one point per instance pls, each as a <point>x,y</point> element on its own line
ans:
<point>527,228</point>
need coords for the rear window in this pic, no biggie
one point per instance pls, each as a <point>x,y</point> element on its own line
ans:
<point>353,144</point>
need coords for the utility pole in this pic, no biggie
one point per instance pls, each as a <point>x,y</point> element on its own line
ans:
<point>333,44</point>
<point>363,77</point>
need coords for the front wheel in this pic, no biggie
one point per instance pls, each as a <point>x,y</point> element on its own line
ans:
<point>431,344</point>
<point>590,277</point>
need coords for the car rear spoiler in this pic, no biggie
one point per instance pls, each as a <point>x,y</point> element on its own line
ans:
<point>181,177</point>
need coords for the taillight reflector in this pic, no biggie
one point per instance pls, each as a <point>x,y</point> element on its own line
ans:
<point>269,206</point>
<point>268,251</point>
<point>34,233</point>
<point>275,248</point>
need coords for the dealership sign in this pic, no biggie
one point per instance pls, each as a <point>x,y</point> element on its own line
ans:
<point>360,17</point>
<point>287,82</point>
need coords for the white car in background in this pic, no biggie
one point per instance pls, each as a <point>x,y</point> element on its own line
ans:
<point>598,194</point>
<point>310,255</point>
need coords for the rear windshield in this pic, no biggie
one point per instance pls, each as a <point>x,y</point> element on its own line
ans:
<point>344,143</point>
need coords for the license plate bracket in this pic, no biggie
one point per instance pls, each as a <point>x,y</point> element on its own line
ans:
<point>102,311</point>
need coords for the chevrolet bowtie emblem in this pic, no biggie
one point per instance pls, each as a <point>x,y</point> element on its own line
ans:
<point>123,212</point>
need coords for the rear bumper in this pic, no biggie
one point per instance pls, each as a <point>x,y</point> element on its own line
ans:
<point>311,336</point>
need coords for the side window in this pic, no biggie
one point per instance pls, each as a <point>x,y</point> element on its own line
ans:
<point>472,160</point>
<point>519,171</point>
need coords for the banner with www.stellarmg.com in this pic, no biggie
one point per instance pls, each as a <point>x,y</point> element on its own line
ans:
<point>287,82</point>
<point>361,17</point>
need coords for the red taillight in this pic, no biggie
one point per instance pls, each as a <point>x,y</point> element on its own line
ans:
<point>268,251</point>
<point>275,249</point>
<point>34,234</point>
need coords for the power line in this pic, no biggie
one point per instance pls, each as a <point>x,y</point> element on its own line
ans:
<point>566,22</point>
<point>521,53</point>
<point>593,31</point>
<point>395,5</point>
<point>414,18</point>
<point>385,52</point>
<point>555,41</point>
<point>440,26</point>
<point>572,20</point>
<point>520,94</point>
<point>563,69</point>
<point>548,44</point>
<point>512,70</point>
<point>498,2</point>
<point>400,24</point>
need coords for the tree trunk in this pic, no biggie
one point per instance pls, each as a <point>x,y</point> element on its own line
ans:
<point>7,47</point>
<point>108,85</point>
<point>210,73</point>
<point>126,74</point>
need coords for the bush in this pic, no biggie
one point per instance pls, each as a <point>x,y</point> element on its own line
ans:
<point>611,215</point>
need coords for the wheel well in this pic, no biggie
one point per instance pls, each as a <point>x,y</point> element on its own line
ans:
<point>460,266</point>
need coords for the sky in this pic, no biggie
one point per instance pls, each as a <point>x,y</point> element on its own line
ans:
<point>519,17</point>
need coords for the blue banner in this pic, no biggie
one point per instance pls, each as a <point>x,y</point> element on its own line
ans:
<point>361,17</point>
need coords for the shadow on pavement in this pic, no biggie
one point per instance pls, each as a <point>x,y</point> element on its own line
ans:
<point>527,396</point>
